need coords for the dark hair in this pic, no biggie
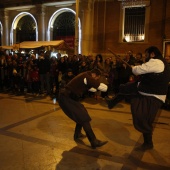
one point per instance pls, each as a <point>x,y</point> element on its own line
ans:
<point>154,50</point>
<point>99,56</point>
<point>69,70</point>
<point>96,71</point>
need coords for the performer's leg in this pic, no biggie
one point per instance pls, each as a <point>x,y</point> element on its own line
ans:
<point>148,144</point>
<point>91,136</point>
<point>144,110</point>
<point>113,101</point>
<point>77,133</point>
<point>126,91</point>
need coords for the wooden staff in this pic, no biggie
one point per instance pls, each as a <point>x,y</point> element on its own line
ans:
<point>119,58</point>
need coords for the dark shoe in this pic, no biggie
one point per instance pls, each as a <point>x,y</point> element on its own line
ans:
<point>97,143</point>
<point>144,147</point>
<point>91,136</point>
<point>78,136</point>
<point>110,102</point>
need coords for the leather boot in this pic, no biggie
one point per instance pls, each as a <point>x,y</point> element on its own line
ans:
<point>77,133</point>
<point>148,144</point>
<point>91,136</point>
<point>113,101</point>
<point>97,143</point>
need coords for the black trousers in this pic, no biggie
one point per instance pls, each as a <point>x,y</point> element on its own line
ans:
<point>73,108</point>
<point>144,110</point>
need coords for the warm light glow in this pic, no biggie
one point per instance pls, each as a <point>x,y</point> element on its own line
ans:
<point>127,37</point>
<point>1,29</point>
<point>51,23</point>
<point>132,38</point>
<point>15,22</point>
<point>132,3</point>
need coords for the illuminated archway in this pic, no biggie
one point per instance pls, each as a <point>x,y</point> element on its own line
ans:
<point>53,18</point>
<point>15,22</point>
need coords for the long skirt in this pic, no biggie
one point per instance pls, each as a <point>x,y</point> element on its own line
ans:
<point>73,109</point>
<point>144,110</point>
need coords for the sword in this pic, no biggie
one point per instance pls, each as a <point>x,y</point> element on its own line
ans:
<point>119,58</point>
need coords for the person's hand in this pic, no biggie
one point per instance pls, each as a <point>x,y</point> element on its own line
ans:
<point>124,65</point>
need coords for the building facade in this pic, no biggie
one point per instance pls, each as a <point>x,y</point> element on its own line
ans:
<point>99,24</point>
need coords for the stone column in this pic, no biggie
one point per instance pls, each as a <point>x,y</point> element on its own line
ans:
<point>76,28</point>
<point>87,27</point>
<point>14,36</point>
<point>51,34</point>
<point>5,27</point>
<point>41,22</point>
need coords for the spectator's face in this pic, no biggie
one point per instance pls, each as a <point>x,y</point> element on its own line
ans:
<point>167,58</point>
<point>130,53</point>
<point>94,76</point>
<point>83,63</point>
<point>62,59</point>
<point>108,61</point>
<point>138,57</point>
<point>70,73</point>
<point>98,58</point>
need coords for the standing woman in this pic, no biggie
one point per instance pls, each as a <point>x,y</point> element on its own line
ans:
<point>98,63</point>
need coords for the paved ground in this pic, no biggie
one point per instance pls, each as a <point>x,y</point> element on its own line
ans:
<point>36,135</point>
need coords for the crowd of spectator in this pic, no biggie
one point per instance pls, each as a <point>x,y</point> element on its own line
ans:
<point>45,75</point>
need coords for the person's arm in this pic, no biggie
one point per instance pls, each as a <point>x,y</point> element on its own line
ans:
<point>102,87</point>
<point>152,66</point>
<point>92,89</point>
<point>95,85</point>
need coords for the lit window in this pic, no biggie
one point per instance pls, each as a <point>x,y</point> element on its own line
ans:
<point>134,24</point>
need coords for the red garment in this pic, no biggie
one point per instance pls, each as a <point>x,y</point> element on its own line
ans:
<point>35,75</point>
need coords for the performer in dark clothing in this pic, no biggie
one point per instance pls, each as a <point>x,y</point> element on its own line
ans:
<point>147,94</point>
<point>68,101</point>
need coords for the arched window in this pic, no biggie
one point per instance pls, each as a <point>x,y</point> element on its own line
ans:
<point>26,29</point>
<point>64,28</point>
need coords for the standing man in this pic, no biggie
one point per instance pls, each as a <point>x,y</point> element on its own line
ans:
<point>44,66</point>
<point>68,101</point>
<point>147,94</point>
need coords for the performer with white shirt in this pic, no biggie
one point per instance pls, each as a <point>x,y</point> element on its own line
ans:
<point>69,103</point>
<point>147,94</point>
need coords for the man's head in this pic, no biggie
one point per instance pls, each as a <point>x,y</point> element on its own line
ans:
<point>95,73</point>
<point>69,72</point>
<point>152,52</point>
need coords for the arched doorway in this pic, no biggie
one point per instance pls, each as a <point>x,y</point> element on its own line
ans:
<point>56,26</point>
<point>16,24</point>
<point>64,28</point>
